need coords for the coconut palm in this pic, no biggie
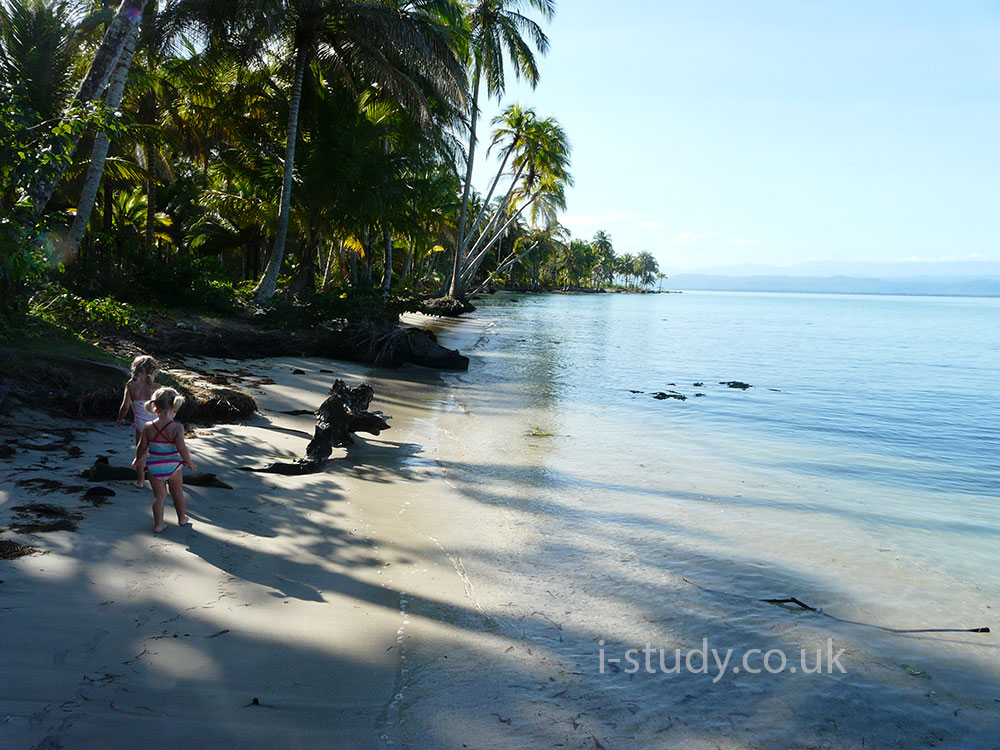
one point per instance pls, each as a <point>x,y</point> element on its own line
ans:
<point>495,27</point>
<point>120,30</point>
<point>367,41</point>
<point>538,151</point>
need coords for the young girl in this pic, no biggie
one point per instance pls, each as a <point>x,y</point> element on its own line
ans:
<point>137,392</point>
<point>163,440</point>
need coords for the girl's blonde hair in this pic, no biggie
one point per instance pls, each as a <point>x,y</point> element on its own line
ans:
<point>165,399</point>
<point>144,365</point>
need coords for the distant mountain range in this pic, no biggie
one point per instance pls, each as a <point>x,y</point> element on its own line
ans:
<point>951,278</point>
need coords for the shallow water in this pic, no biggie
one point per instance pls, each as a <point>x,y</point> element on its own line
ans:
<point>882,409</point>
<point>857,474</point>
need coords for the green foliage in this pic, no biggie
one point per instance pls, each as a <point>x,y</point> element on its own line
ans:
<point>119,267</point>
<point>70,311</point>
<point>28,152</point>
<point>362,303</point>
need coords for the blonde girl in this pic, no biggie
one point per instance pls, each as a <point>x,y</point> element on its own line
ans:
<point>138,391</point>
<point>163,441</point>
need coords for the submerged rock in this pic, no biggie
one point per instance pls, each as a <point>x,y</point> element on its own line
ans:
<point>661,396</point>
<point>735,384</point>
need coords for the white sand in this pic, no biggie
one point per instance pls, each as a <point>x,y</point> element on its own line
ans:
<point>287,591</point>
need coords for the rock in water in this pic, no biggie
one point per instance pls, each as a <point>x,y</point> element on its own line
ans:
<point>735,384</point>
<point>449,307</point>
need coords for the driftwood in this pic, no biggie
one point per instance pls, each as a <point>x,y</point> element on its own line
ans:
<point>103,471</point>
<point>344,411</point>
<point>793,604</point>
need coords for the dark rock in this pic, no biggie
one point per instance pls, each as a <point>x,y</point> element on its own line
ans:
<point>735,384</point>
<point>426,351</point>
<point>697,395</point>
<point>297,371</point>
<point>698,385</point>
<point>661,396</point>
<point>448,307</point>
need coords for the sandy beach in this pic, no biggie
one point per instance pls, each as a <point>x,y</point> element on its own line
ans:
<point>424,591</point>
<point>279,616</point>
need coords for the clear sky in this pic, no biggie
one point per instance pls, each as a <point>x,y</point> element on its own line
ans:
<point>778,131</point>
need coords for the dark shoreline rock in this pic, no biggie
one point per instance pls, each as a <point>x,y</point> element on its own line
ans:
<point>448,307</point>
<point>735,384</point>
<point>378,344</point>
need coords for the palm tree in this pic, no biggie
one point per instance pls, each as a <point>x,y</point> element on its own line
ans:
<point>392,46</point>
<point>604,253</point>
<point>626,267</point>
<point>120,30</point>
<point>539,157</point>
<point>495,27</point>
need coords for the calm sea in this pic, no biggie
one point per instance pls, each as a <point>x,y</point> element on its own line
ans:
<point>884,411</point>
<point>858,473</point>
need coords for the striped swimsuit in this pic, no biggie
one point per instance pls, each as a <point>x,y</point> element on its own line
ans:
<point>163,459</point>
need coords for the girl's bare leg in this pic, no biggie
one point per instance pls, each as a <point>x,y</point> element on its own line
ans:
<point>159,500</point>
<point>140,468</point>
<point>176,485</point>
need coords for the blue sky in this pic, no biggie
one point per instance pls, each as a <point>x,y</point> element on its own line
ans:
<point>765,131</point>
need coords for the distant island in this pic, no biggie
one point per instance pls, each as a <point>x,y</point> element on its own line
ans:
<point>959,278</point>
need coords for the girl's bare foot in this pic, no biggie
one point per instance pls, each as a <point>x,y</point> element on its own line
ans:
<point>138,485</point>
<point>158,529</point>
<point>184,521</point>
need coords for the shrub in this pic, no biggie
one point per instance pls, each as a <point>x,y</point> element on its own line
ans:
<point>71,311</point>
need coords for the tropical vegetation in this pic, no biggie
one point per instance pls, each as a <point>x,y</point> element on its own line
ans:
<point>225,154</point>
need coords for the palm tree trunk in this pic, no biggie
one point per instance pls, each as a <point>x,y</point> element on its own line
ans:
<point>455,288</point>
<point>120,30</point>
<point>305,278</point>
<point>409,259</point>
<point>366,255</point>
<point>269,281</point>
<point>329,265</point>
<point>150,209</point>
<point>109,208</point>
<point>387,271</point>
<point>99,154</point>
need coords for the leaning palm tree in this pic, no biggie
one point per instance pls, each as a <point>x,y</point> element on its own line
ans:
<point>496,26</point>
<point>120,30</point>
<point>369,41</point>
<point>540,165</point>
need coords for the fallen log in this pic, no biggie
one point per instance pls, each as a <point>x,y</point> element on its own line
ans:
<point>103,471</point>
<point>344,411</point>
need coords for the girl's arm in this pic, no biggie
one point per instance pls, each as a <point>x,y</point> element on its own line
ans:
<point>182,449</point>
<point>141,448</point>
<point>126,403</point>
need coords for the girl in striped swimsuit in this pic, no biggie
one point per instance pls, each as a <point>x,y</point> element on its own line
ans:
<point>163,441</point>
<point>137,392</point>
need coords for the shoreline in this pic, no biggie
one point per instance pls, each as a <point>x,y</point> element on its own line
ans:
<point>278,616</point>
<point>433,590</point>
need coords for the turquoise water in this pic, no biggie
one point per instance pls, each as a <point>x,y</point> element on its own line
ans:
<point>858,474</point>
<point>884,410</point>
